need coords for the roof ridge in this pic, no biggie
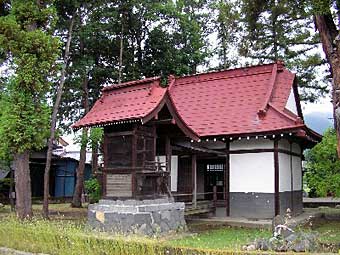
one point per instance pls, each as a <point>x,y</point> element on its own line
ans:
<point>263,109</point>
<point>220,77</point>
<point>296,120</point>
<point>130,83</point>
<point>225,70</point>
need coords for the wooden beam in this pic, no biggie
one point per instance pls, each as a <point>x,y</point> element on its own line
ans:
<point>276,178</point>
<point>164,121</point>
<point>194,179</point>
<point>200,149</point>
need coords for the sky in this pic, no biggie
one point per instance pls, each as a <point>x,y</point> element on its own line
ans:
<point>324,105</point>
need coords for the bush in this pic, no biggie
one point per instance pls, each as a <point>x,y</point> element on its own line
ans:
<point>92,188</point>
<point>323,167</point>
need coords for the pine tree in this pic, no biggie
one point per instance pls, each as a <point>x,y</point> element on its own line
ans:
<point>226,23</point>
<point>31,50</point>
<point>284,30</point>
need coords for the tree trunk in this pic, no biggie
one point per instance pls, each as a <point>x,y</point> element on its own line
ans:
<point>54,121</point>
<point>120,70</point>
<point>11,189</point>
<point>76,201</point>
<point>78,191</point>
<point>22,185</point>
<point>94,161</point>
<point>330,40</point>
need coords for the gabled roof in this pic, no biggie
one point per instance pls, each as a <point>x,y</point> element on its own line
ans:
<point>126,101</point>
<point>241,101</point>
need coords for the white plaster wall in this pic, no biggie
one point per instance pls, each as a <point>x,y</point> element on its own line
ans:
<point>252,172</point>
<point>252,143</point>
<point>297,173</point>
<point>284,144</point>
<point>284,172</point>
<point>296,148</point>
<point>291,103</point>
<point>174,170</point>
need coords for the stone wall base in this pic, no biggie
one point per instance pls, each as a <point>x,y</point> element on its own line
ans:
<point>145,217</point>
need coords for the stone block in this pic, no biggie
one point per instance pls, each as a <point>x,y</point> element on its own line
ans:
<point>147,217</point>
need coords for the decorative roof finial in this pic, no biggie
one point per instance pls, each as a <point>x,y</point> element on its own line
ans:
<point>171,80</point>
<point>280,64</point>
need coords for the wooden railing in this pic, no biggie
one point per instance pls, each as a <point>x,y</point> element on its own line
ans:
<point>155,166</point>
<point>207,204</point>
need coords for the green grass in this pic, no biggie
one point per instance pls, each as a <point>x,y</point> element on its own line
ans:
<point>68,238</point>
<point>226,238</point>
<point>329,232</point>
<point>67,233</point>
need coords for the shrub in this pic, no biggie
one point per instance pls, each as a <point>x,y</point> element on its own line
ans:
<point>323,166</point>
<point>92,188</point>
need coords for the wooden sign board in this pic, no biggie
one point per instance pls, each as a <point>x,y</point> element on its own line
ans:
<point>118,185</point>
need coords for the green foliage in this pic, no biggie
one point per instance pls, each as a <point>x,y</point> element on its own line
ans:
<point>323,166</point>
<point>285,30</point>
<point>96,137</point>
<point>322,6</point>
<point>92,188</point>
<point>159,38</point>
<point>31,52</point>
<point>227,24</point>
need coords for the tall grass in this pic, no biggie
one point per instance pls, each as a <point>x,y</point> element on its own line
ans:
<point>67,238</point>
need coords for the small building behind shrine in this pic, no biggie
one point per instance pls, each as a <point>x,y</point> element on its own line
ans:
<point>235,137</point>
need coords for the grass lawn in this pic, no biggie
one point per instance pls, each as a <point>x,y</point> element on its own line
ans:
<point>67,233</point>
<point>226,238</point>
<point>329,231</point>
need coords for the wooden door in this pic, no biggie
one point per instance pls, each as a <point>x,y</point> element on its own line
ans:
<point>214,176</point>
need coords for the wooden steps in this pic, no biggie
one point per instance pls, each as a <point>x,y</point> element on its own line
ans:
<point>202,207</point>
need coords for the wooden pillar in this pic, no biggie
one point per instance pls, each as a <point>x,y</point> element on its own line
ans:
<point>194,179</point>
<point>134,162</point>
<point>105,156</point>
<point>276,178</point>
<point>215,195</point>
<point>168,154</point>
<point>291,177</point>
<point>227,179</point>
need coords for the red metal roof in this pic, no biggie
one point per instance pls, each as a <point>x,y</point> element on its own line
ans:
<point>123,102</point>
<point>233,102</point>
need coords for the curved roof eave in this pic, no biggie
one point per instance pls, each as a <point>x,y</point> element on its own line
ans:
<point>166,100</point>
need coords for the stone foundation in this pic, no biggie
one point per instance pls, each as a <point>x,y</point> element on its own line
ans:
<point>145,217</point>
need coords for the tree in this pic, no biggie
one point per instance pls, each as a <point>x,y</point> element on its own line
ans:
<point>54,118</point>
<point>111,44</point>
<point>95,139</point>
<point>179,44</point>
<point>327,23</point>
<point>27,42</point>
<point>284,30</point>
<point>323,166</point>
<point>227,25</point>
